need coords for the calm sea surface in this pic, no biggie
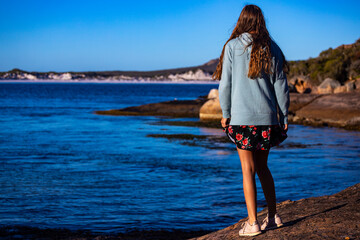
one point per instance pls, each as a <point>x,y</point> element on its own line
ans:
<point>64,166</point>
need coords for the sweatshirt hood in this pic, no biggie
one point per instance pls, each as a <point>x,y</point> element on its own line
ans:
<point>245,37</point>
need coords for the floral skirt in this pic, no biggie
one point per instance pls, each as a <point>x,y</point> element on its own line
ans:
<point>255,137</point>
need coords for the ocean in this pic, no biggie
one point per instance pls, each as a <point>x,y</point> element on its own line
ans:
<point>64,166</point>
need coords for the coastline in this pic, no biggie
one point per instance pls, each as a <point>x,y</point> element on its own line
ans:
<point>324,217</point>
<point>112,81</point>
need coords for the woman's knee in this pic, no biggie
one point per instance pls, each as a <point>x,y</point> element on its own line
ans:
<point>248,165</point>
<point>248,168</point>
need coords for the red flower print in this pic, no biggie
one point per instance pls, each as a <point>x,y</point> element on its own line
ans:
<point>265,134</point>
<point>243,126</point>
<point>253,132</point>
<point>245,141</point>
<point>251,126</point>
<point>255,128</point>
<point>230,130</point>
<point>262,148</point>
<point>242,147</point>
<point>239,136</point>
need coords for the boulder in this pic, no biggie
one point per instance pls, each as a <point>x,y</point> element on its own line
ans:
<point>328,86</point>
<point>291,84</point>
<point>350,86</point>
<point>303,85</point>
<point>292,88</point>
<point>214,93</point>
<point>292,80</point>
<point>357,84</point>
<point>347,87</point>
<point>211,110</point>
<point>340,89</point>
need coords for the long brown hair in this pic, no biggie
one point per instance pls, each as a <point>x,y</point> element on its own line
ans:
<point>252,20</point>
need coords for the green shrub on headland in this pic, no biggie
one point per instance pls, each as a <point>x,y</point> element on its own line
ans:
<point>341,63</point>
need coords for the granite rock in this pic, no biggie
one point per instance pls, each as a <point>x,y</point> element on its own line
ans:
<point>327,217</point>
<point>328,86</point>
<point>211,110</point>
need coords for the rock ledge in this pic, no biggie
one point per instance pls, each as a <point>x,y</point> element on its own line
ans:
<point>327,217</point>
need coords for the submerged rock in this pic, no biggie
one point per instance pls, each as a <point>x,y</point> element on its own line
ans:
<point>175,108</point>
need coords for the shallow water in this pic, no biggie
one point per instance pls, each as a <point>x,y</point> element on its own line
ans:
<point>63,166</point>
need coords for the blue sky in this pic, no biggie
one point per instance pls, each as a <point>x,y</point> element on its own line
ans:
<point>153,35</point>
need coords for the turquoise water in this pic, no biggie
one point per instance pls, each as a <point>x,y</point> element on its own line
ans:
<point>64,166</point>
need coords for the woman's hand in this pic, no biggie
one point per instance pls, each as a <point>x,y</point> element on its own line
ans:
<point>225,122</point>
<point>285,127</point>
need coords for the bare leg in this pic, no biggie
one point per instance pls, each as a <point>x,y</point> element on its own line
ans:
<point>266,179</point>
<point>249,185</point>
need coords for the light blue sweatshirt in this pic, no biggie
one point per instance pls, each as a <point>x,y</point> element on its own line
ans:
<point>252,101</point>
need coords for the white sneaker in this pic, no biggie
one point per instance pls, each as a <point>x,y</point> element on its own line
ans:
<point>271,223</point>
<point>249,230</point>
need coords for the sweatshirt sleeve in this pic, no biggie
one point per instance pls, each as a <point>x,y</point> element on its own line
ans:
<point>225,83</point>
<point>281,91</point>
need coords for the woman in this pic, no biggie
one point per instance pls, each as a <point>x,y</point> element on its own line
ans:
<point>253,84</point>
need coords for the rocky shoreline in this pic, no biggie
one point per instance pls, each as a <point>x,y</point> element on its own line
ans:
<point>341,110</point>
<point>326,217</point>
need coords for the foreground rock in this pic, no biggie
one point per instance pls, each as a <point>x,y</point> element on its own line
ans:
<point>328,217</point>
